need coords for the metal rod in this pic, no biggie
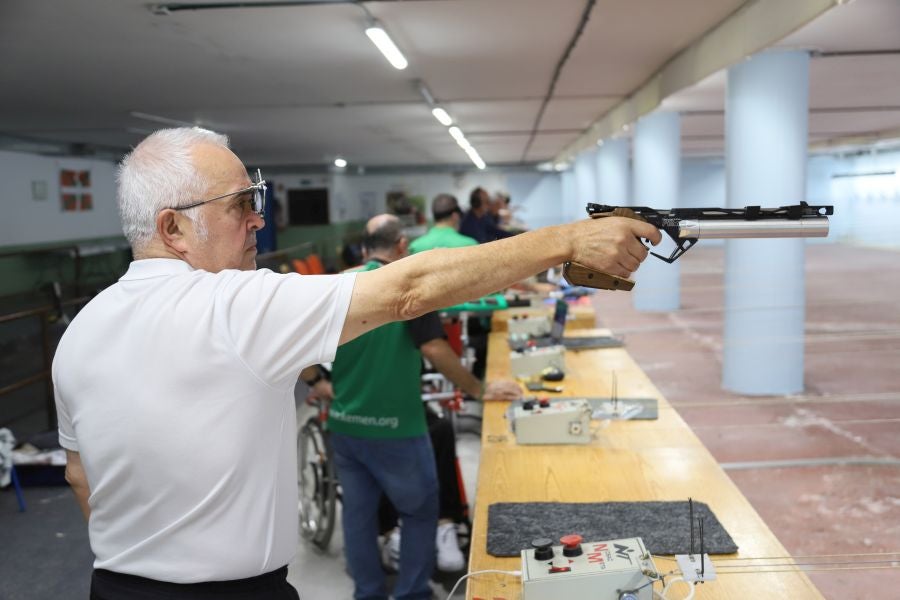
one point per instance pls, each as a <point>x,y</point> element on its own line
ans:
<point>48,382</point>
<point>762,228</point>
<point>702,561</point>
<point>24,382</point>
<point>805,570</point>
<point>31,312</point>
<point>691,519</point>
<point>827,563</point>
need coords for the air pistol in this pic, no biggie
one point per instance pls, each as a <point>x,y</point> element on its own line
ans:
<point>686,226</point>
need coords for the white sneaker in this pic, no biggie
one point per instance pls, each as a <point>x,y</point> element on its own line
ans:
<point>390,551</point>
<point>449,556</point>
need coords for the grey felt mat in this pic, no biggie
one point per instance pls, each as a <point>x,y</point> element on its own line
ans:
<point>664,526</point>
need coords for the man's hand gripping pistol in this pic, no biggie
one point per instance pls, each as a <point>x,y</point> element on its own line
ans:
<point>687,225</point>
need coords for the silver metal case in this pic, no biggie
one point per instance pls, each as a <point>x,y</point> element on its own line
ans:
<point>534,360</point>
<point>603,571</point>
<point>562,422</point>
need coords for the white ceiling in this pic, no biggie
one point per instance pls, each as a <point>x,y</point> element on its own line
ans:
<point>854,81</point>
<point>298,85</point>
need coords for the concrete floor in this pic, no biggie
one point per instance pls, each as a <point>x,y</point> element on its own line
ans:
<point>849,412</point>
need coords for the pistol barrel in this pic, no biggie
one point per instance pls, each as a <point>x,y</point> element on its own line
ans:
<point>761,228</point>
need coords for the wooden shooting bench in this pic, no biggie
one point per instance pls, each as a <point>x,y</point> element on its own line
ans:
<point>648,460</point>
<point>581,316</point>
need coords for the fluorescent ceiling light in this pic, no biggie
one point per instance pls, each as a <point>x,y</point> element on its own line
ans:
<point>470,150</point>
<point>340,163</point>
<point>441,115</point>
<point>387,46</point>
<point>473,155</point>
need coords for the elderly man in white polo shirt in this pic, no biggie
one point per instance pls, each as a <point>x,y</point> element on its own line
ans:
<point>174,386</point>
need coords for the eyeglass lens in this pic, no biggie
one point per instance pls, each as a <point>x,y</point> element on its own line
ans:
<point>259,194</point>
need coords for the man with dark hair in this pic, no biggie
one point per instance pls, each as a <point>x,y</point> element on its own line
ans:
<point>380,438</point>
<point>443,234</point>
<point>476,223</point>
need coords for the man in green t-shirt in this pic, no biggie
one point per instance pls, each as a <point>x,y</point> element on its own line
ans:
<point>445,232</point>
<point>380,436</point>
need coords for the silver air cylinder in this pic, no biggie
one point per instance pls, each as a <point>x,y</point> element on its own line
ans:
<point>762,228</point>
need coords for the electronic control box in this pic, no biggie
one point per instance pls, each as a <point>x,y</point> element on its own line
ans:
<point>532,361</point>
<point>612,570</point>
<point>532,326</point>
<point>558,422</point>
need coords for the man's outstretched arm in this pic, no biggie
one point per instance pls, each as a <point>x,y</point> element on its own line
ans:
<point>431,280</point>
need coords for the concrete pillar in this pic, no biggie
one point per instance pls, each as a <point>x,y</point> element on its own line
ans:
<point>765,154</point>
<point>657,165</point>
<point>613,172</point>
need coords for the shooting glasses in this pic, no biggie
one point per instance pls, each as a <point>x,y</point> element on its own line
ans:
<point>257,193</point>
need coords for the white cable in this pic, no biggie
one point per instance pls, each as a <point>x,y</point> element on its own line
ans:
<point>460,580</point>
<point>665,592</point>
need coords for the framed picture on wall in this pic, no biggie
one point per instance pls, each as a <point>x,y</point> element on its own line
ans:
<point>75,190</point>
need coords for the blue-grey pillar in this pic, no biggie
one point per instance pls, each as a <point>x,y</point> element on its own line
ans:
<point>657,166</point>
<point>586,178</point>
<point>765,157</point>
<point>613,172</point>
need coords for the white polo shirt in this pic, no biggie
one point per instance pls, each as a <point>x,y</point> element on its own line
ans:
<point>176,388</point>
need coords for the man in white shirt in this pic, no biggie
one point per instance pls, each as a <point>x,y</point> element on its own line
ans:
<point>174,387</point>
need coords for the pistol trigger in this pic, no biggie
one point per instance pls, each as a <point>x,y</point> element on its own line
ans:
<point>683,246</point>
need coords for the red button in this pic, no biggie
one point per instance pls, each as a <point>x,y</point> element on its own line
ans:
<point>544,402</point>
<point>571,541</point>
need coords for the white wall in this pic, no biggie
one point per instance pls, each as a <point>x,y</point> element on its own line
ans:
<point>355,197</point>
<point>536,198</point>
<point>29,221</point>
<point>867,207</point>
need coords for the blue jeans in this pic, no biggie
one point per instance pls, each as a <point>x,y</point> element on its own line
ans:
<point>404,470</point>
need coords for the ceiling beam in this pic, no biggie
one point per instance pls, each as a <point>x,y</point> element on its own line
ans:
<point>755,26</point>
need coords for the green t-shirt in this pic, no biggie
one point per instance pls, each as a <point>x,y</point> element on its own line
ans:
<point>441,236</point>
<point>377,381</point>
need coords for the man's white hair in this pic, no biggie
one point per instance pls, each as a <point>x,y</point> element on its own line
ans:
<point>160,173</point>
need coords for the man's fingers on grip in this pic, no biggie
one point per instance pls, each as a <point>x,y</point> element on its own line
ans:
<point>619,271</point>
<point>638,250</point>
<point>630,263</point>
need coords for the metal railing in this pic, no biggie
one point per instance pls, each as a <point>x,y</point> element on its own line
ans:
<point>45,315</point>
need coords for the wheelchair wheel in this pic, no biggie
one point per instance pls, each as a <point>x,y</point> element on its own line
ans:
<point>317,484</point>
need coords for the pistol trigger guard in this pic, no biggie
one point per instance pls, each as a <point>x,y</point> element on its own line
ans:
<point>683,246</point>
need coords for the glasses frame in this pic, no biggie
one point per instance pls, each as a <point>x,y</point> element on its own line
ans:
<point>259,197</point>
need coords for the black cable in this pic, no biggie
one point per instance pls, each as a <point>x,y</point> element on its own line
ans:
<point>559,67</point>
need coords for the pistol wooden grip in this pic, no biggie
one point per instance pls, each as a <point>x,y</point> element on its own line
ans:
<point>578,274</point>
